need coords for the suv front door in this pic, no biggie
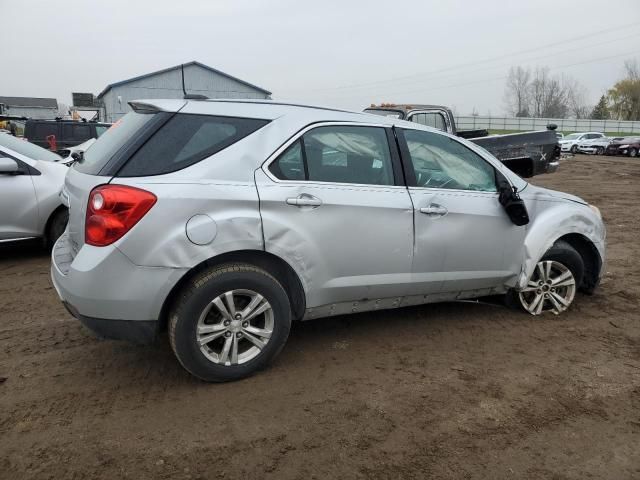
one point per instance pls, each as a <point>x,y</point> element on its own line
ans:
<point>463,237</point>
<point>334,206</point>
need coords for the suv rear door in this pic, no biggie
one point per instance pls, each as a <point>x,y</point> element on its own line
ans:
<point>334,205</point>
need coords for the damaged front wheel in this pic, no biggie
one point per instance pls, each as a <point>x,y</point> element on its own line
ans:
<point>553,284</point>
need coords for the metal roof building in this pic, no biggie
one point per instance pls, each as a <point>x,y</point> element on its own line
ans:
<point>29,107</point>
<point>198,79</point>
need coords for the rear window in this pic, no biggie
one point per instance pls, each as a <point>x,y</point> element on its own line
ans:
<point>105,147</point>
<point>185,140</point>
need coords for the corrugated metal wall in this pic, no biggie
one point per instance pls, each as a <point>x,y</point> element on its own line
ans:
<point>197,80</point>
<point>32,112</point>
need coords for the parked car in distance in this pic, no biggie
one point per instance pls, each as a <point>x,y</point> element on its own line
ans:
<point>595,146</point>
<point>569,144</point>
<point>629,146</point>
<point>31,179</point>
<point>67,133</point>
<point>226,220</point>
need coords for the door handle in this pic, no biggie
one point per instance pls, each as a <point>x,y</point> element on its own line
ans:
<point>304,200</point>
<point>434,210</point>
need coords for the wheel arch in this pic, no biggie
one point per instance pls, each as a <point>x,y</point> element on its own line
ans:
<point>271,263</point>
<point>47,224</point>
<point>590,257</point>
<point>574,224</point>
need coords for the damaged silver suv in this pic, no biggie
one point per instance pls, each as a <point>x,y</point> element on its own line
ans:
<point>224,221</point>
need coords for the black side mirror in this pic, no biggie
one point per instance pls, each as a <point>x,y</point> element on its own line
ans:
<point>77,156</point>
<point>513,204</point>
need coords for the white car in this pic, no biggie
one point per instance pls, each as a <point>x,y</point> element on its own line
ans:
<point>595,146</point>
<point>570,142</point>
<point>31,179</point>
<point>71,154</point>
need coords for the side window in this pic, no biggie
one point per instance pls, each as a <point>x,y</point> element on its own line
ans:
<point>432,119</point>
<point>100,129</point>
<point>72,132</point>
<point>338,154</point>
<point>81,132</point>
<point>43,130</point>
<point>289,165</point>
<point>442,162</point>
<point>187,139</point>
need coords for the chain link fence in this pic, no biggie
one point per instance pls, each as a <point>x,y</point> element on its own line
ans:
<point>564,124</point>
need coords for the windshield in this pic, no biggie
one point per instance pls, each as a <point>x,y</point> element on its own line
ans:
<point>573,136</point>
<point>27,149</point>
<point>111,141</point>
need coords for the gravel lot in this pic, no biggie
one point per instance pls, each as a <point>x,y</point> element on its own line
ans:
<point>457,390</point>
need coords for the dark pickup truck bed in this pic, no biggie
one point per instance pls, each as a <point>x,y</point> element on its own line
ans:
<point>528,153</point>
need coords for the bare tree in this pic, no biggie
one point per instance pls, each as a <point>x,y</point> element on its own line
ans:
<point>576,94</point>
<point>517,91</point>
<point>540,94</point>
<point>537,91</point>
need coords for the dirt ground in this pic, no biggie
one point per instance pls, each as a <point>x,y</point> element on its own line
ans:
<point>457,390</point>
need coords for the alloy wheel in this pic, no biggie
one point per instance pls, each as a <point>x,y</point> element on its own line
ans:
<point>235,327</point>
<point>633,152</point>
<point>552,287</point>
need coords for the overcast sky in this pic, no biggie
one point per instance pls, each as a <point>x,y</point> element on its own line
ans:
<point>339,53</point>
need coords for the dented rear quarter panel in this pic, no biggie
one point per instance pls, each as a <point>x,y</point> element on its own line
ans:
<point>160,238</point>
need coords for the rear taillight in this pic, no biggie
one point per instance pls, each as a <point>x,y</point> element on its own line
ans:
<point>113,210</point>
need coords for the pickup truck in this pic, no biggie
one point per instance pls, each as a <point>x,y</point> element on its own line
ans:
<point>527,154</point>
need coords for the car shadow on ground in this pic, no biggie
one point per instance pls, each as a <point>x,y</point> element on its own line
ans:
<point>22,250</point>
<point>310,342</point>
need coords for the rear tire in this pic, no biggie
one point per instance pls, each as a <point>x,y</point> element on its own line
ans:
<point>633,153</point>
<point>574,149</point>
<point>600,151</point>
<point>212,327</point>
<point>56,226</point>
<point>554,296</point>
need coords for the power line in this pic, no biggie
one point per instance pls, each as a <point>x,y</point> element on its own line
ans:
<point>479,62</point>
<point>526,60</point>
<point>444,87</point>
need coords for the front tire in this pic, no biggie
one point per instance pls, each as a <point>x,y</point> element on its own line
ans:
<point>633,153</point>
<point>574,149</point>
<point>554,282</point>
<point>600,151</point>
<point>229,322</point>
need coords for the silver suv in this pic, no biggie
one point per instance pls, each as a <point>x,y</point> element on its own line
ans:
<point>224,221</point>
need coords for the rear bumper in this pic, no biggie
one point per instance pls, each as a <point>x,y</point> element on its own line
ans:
<point>109,294</point>
<point>142,332</point>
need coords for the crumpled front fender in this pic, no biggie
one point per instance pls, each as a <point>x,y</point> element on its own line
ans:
<point>552,221</point>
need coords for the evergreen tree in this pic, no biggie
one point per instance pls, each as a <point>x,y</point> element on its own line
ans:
<point>601,110</point>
